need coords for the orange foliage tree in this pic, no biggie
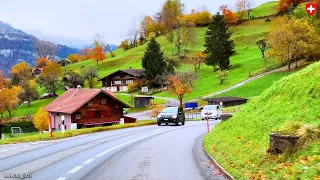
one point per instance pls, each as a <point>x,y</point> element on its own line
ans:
<point>98,54</point>
<point>3,82</point>
<point>53,68</point>
<point>84,54</point>
<point>179,85</point>
<point>42,62</point>
<point>229,17</point>
<point>285,5</point>
<point>20,72</point>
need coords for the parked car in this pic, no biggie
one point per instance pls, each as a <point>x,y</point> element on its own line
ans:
<point>171,115</point>
<point>211,111</point>
<point>48,95</point>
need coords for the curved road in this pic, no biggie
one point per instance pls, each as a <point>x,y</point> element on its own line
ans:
<point>150,152</point>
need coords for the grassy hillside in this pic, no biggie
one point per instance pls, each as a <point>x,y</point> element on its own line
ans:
<point>240,144</point>
<point>247,58</point>
<point>267,9</point>
<point>255,87</point>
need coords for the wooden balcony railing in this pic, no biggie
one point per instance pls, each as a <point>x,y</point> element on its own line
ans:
<point>103,120</point>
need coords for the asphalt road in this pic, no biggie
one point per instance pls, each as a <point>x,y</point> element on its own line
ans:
<point>151,152</point>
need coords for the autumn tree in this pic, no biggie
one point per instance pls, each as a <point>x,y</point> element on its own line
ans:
<point>72,79</point>
<point>74,58</point>
<point>98,54</point>
<point>20,72</point>
<point>144,26</point>
<point>171,64</point>
<point>291,39</point>
<point>84,54</point>
<point>222,76</point>
<point>52,68</point>
<point>197,59</point>
<point>188,36</point>
<point>42,62</point>
<point>3,81</point>
<point>9,99</point>
<point>229,17</point>
<point>91,76</point>
<point>153,60</point>
<point>41,120</point>
<point>45,49</point>
<point>219,46</point>
<point>180,85</point>
<point>28,92</point>
<point>262,44</point>
<point>285,5</point>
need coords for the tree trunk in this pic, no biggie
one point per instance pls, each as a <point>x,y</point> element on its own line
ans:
<point>97,63</point>
<point>9,113</point>
<point>262,54</point>
<point>180,100</point>
<point>296,62</point>
<point>289,65</point>
<point>29,103</point>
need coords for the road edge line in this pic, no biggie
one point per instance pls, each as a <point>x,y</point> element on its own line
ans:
<point>218,166</point>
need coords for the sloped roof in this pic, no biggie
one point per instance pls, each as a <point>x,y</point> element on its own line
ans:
<point>74,99</point>
<point>133,72</point>
<point>226,99</point>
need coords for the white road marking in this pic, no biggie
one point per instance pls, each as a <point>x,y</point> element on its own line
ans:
<point>62,178</point>
<point>6,150</point>
<point>88,161</point>
<point>77,168</point>
<point>143,137</point>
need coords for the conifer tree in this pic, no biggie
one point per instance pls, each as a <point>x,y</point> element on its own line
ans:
<point>219,46</point>
<point>153,61</point>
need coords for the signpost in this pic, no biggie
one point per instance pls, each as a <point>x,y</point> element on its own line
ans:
<point>62,121</point>
<point>208,129</point>
<point>50,125</point>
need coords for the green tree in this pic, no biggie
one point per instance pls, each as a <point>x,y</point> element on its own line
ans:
<point>51,83</point>
<point>219,46</point>
<point>153,61</point>
<point>90,75</point>
<point>72,79</point>
<point>223,76</point>
<point>28,92</point>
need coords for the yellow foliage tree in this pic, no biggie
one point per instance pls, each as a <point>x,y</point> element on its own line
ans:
<point>41,120</point>
<point>53,68</point>
<point>9,99</point>
<point>291,39</point>
<point>74,58</point>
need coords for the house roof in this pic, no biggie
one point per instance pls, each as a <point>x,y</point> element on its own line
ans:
<point>74,99</point>
<point>33,69</point>
<point>133,72</point>
<point>226,99</point>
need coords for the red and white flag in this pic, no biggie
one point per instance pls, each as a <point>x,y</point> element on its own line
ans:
<point>311,8</point>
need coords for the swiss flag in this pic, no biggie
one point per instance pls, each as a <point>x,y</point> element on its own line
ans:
<point>311,8</point>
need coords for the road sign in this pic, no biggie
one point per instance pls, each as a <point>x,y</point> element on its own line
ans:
<point>311,8</point>
<point>62,121</point>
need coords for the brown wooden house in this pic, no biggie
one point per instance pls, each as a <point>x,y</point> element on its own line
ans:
<point>85,107</point>
<point>37,71</point>
<point>119,80</point>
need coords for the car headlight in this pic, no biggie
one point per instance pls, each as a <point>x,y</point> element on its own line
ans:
<point>159,116</point>
<point>174,116</point>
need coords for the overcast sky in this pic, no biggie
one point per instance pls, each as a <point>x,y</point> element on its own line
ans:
<point>82,19</point>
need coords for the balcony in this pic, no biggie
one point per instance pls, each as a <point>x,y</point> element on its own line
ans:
<point>96,121</point>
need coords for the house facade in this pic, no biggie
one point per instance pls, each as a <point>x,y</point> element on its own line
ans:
<point>37,71</point>
<point>119,80</point>
<point>85,107</point>
<point>227,101</point>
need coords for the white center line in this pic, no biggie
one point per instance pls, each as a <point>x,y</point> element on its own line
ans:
<point>88,161</point>
<point>77,168</point>
<point>62,178</point>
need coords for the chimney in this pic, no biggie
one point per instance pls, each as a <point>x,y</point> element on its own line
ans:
<point>78,87</point>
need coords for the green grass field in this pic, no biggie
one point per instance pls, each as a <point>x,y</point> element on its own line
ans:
<point>267,9</point>
<point>240,144</point>
<point>256,87</point>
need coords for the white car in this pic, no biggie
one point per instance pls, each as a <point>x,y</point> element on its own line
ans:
<point>211,111</point>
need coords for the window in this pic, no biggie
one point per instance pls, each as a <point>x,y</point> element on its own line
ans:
<point>117,82</point>
<point>117,77</point>
<point>90,103</point>
<point>104,100</point>
<point>127,76</point>
<point>78,116</point>
<point>58,114</point>
<point>129,81</point>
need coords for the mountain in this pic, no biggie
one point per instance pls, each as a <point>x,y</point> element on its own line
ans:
<point>17,46</point>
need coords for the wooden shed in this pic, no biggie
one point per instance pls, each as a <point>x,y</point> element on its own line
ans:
<point>227,101</point>
<point>143,101</point>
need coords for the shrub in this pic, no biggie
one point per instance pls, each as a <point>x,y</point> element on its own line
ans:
<point>133,87</point>
<point>113,54</point>
<point>26,126</point>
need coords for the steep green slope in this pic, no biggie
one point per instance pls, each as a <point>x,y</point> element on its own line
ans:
<point>267,9</point>
<point>240,144</point>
